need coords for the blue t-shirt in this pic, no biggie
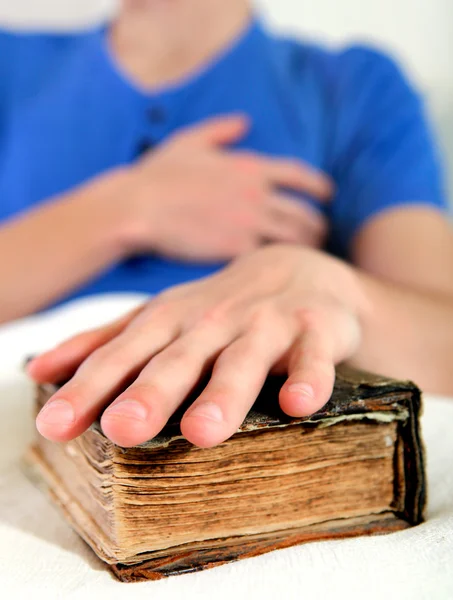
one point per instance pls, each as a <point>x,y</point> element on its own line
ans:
<point>67,113</point>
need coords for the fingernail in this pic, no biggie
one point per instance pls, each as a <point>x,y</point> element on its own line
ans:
<point>57,412</point>
<point>209,410</point>
<point>128,409</point>
<point>303,390</point>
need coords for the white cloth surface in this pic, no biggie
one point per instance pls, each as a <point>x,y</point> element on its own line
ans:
<point>40,556</point>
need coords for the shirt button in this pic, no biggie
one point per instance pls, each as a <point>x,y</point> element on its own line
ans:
<point>156,115</point>
<point>143,147</point>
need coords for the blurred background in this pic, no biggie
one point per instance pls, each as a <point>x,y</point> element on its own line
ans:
<point>419,33</point>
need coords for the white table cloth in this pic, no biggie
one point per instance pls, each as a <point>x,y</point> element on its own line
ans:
<point>40,557</point>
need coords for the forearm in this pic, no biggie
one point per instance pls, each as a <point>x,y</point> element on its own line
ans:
<point>49,251</point>
<point>407,334</point>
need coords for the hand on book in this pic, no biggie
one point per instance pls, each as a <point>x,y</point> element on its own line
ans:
<point>281,309</point>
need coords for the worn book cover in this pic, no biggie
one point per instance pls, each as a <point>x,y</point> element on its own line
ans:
<point>167,507</point>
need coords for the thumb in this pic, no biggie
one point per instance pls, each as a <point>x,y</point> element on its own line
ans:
<point>218,131</point>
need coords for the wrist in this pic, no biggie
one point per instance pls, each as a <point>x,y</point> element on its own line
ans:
<point>111,197</point>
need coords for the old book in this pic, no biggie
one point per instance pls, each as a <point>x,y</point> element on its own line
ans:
<point>354,468</point>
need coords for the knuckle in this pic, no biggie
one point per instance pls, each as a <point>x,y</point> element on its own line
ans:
<point>228,373</point>
<point>160,311</point>
<point>265,317</point>
<point>216,315</point>
<point>237,359</point>
<point>147,392</point>
<point>221,391</point>
<point>111,356</point>
<point>253,192</point>
<point>176,354</point>
<point>223,360</point>
<point>322,374</point>
<point>319,363</point>
<point>79,392</point>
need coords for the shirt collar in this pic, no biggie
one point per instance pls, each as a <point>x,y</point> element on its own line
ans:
<point>233,63</point>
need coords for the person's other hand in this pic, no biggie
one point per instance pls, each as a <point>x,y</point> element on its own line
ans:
<point>194,199</point>
<point>280,309</point>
